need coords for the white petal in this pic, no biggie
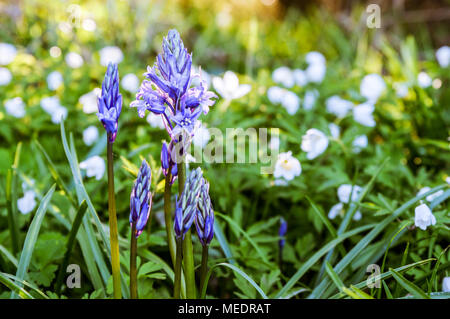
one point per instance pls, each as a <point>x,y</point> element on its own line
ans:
<point>231,81</point>
<point>242,90</point>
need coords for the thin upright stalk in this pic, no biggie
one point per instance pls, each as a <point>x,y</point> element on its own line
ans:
<point>188,253</point>
<point>280,258</point>
<point>168,217</point>
<point>204,266</point>
<point>133,256</point>
<point>177,280</point>
<point>11,202</point>
<point>114,237</point>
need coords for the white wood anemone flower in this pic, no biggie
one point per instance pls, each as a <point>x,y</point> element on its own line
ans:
<point>363,114</point>
<point>347,192</point>
<point>372,86</point>
<point>27,203</point>
<point>228,86</point>
<point>314,143</point>
<point>94,166</point>
<point>90,135</point>
<point>284,76</point>
<point>15,107</point>
<point>287,166</point>
<point>423,217</point>
<point>443,56</point>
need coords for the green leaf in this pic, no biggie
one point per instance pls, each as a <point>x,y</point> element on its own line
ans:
<point>387,275</point>
<point>70,243</point>
<point>322,217</point>
<point>361,293</point>
<point>38,292</point>
<point>409,286</point>
<point>318,291</point>
<point>220,236</point>
<point>351,211</point>
<point>337,281</point>
<point>237,270</point>
<point>315,258</point>
<point>55,174</point>
<point>8,255</point>
<point>250,240</point>
<point>31,237</point>
<point>16,289</point>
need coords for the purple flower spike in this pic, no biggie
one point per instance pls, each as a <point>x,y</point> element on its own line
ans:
<point>110,102</point>
<point>204,219</point>
<point>282,232</point>
<point>186,205</point>
<point>167,161</point>
<point>141,199</point>
<point>167,91</point>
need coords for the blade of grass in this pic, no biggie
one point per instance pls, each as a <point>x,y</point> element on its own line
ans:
<point>350,293</point>
<point>237,270</point>
<point>313,259</point>
<point>360,293</point>
<point>387,249</point>
<point>88,257</point>
<point>90,231</point>
<point>8,255</point>
<point>435,269</point>
<point>326,222</point>
<point>31,237</point>
<point>318,290</point>
<point>55,174</point>
<point>351,211</point>
<point>233,224</point>
<point>218,233</point>
<point>387,291</point>
<point>322,217</point>
<point>82,195</point>
<point>11,199</point>
<point>15,289</point>
<point>79,187</point>
<point>433,295</point>
<point>27,284</point>
<point>11,203</point>
<point>409,286</point>
<point>337,281</point>
<point>387,275</point>
<point>69,246</point>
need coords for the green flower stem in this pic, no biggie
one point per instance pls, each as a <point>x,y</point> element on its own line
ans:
<point>177,281</point>
<point>114,237</point>
<point>204,266</point>
<point>168,217</point>
<point>188,252</point>
<point>133,257</point>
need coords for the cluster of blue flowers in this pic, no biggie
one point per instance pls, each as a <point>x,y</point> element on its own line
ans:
<point>141,199</point>
<point>110,102</point>
<point>168,91</point>
<point>194,205</point>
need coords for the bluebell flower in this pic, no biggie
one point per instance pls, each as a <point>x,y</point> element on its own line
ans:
<point>186,205</point>
<point>167,90</point>
<point>185,120</point>
<point>110,102</point>
<point>200,97</point>
<point>167,161</point>
<point>204,219</point>
<point>282,232</point>
<point>141,199</point>
<point>148,99</point>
